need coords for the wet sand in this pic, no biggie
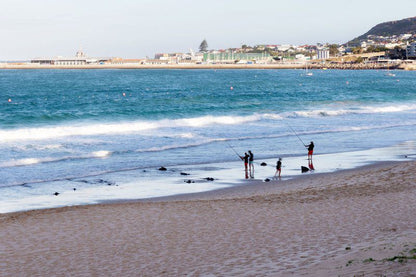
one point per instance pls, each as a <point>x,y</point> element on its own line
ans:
<point>358,222</point>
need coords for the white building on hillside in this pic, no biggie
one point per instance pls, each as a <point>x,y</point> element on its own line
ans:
<point>322,54</point>
<point>411,50</point>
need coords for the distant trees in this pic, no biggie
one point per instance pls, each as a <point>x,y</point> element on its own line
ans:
<point>359,60</point>
<point>357,50</point>
<point>333,49</point>
<point>372,48</point>
<point>203,47</point>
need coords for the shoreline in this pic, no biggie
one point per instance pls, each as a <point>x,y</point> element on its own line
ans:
<point>155,185</point>
<point>342,223</point>
<point>242,189</point>
<point>247,190</point>
<point>323,66</point>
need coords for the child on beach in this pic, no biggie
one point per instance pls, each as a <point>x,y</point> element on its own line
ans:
<point>278,167</point>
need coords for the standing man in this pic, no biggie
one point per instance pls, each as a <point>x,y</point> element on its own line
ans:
<point>251,164</point>
<point>310,150</point>
<point>310,164</point>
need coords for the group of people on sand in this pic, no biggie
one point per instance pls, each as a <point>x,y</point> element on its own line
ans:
<point>248,163</point>
<point>248,159</point>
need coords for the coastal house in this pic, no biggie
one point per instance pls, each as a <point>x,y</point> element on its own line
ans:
<point>284,48</point>
<point>179,58</point>
<point>411,50</point>
<point>301,57</point>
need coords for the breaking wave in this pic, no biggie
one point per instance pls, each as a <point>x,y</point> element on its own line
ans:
<point>148,126</point>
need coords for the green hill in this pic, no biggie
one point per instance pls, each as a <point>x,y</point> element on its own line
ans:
<point>397,27</point>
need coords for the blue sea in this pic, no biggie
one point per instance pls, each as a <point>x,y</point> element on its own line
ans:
<point>96,135</point>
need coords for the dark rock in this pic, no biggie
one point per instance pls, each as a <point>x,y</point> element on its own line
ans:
<point>185,174</point>
<point>189,181</point>
<point>56,193</point>
<point>267,180</point>
<point>304,169</point>
<point>263,164</point>
<point>162,168</point>
<point>209,179</point>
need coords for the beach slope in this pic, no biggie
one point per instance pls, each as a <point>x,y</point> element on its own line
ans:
<point>348,223</point>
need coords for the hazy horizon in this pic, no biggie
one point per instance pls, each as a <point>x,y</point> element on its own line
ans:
<point>136,29</point>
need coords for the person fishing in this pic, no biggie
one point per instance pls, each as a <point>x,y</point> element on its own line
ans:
<point>278,167</point>
<point>251,163</point>
<point>310,150</point>
<point>310,146</point>
<point>246,160</point>
<point>310,165</point>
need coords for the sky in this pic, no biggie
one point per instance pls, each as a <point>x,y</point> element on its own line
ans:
<point>141,28</point>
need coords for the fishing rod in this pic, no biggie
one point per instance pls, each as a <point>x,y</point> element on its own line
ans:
<point>233,150</point>
<point>296,134</point>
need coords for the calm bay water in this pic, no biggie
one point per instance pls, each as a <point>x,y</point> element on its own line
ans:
<point>66,125</point>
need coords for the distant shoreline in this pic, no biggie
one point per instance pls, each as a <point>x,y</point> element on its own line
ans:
<point>347,66</point>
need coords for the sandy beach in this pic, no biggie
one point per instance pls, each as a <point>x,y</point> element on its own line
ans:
<point>359,222</point>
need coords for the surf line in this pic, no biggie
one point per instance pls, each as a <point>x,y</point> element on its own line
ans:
<point>75,178</point>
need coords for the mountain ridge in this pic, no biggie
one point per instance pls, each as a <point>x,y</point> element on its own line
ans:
<point>390,28</point>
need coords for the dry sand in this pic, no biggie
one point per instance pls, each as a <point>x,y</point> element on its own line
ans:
<point>340,224</point>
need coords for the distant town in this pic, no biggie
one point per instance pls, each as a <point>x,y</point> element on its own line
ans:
<point>397,51</point>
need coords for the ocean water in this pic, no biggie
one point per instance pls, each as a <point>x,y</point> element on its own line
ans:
<point>95,135</point>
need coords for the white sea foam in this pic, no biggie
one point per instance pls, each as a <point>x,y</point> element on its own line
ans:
<point>44,147</point>
<point>210,120</point>
<point>45,133</point>
<point>187,135</point>
<point>79,130</point>
<point>27,161</point>
<point>21,162</point>
<point>389,109</point>
<point>33,161</point>
<point>351,110</point>
<point>143,127</point>
<point>101,154</point>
